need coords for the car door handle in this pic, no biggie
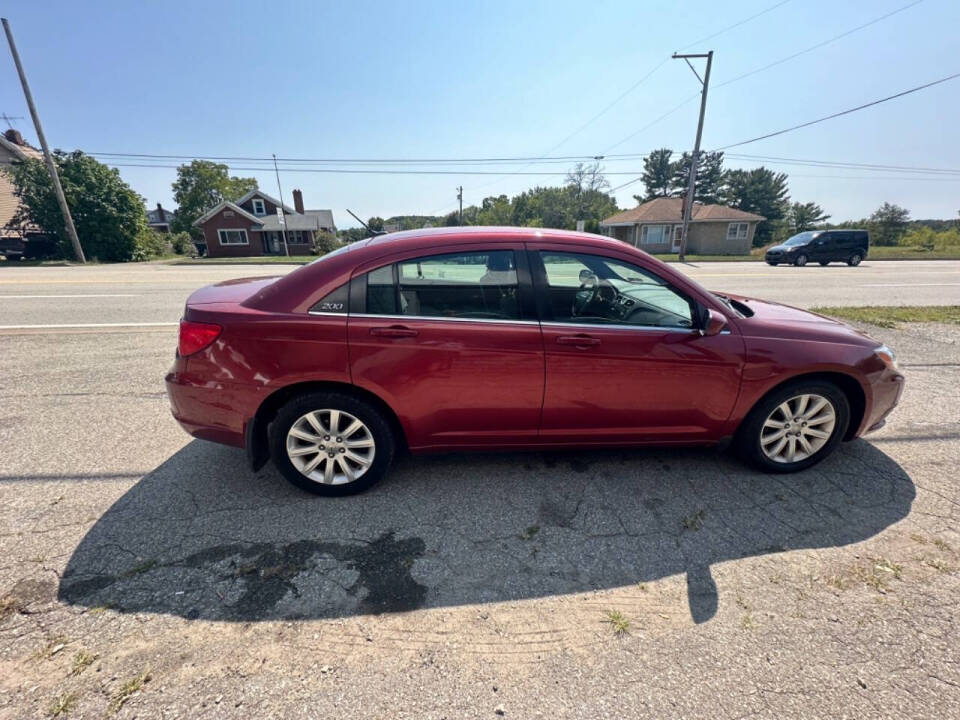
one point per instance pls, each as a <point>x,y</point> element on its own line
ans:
<point>580,341</point>
<point>395,331</point>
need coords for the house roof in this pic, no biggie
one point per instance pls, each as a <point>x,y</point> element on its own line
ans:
<point>223,204</point>
<point>153,216</point>
<point>670,210</point>
<point>260,193</point>
<point>324,217</point>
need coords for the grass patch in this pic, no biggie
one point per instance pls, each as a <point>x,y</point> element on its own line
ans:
<point>52,647</point>
<point>81,661</point>
<point>695,521</point>
<point>892,316</point>
<point>62,705</point>
<point>530,532</point>
<point>618,622</point>
<point>126,691</point>
<point>254,260</point>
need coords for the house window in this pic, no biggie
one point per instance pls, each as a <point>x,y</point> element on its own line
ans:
<point>654,234</point>
<point>228,213</point>
<point>232,237</point>
<point>259,207</point>
<point>737,231</point>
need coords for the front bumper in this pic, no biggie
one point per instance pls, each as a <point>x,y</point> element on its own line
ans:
<point>886,391</point>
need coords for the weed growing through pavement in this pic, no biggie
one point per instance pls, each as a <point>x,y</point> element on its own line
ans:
<point>619,623</point>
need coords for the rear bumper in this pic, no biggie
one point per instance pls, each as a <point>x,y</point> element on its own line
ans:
<point>206,410</point>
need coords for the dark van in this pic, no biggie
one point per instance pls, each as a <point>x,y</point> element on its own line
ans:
<point>822,246</point>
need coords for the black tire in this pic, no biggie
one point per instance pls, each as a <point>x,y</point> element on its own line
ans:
<point>772,264</point>
<point>747,440</point>
<point>373,418</point>
<point>824,263</point>
<point>854,259</point>
<point>800,260</point>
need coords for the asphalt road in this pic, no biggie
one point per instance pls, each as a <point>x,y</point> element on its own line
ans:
<point>156,293</point>
<point>462,585</point>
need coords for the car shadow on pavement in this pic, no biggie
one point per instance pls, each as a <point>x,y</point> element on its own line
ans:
<point>203,537</point>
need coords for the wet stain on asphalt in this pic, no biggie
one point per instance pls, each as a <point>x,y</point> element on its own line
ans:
<point>269,573</point>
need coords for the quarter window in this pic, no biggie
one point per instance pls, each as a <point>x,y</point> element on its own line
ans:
<point>232,237</point>
<point>592,289</point>
<point>737,231</point>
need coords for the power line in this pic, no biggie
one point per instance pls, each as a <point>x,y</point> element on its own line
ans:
<point>841,113</point>
<point>818,45</point>
<point>348,161</point>
<point>842,165</point>
<point>731,27</point>
<point>763,68</point>
<point>353,171</point>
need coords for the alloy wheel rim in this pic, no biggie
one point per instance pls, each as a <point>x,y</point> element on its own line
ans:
<point>855,260</point>
<point>802,260</point>
<point>798,428</point>
<point>330,447</point>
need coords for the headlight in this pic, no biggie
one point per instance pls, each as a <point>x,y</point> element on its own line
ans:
<point>888,356</point>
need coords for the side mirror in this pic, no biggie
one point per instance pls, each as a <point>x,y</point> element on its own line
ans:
<point>715,323</point>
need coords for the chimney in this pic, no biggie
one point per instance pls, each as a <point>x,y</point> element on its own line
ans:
<point>14,136</point>
<point>161,213</point>
<point>298,201</point>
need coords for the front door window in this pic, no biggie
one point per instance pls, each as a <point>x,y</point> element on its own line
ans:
<point>590,289</point>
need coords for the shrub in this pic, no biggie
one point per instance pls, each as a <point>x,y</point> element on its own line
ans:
<point>929,239</point>
<point>182,243</point>
<point>325,242</point>
<point>148,245</point>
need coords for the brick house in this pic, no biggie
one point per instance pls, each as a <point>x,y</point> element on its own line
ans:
<point>14,149</point>
<point>251,226</point>
<point>655,227</point>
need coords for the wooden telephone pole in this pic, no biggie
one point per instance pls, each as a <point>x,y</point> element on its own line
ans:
<point>48,158</point>
<point>692,184</point>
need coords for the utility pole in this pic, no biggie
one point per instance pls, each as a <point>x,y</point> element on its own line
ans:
<point>460,199</point>
<point>692,184</point>
<point>283,218</point>
<point>51,166</point>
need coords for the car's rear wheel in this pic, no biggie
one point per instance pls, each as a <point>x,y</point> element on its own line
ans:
<point>800,260</point>
<point>854,259</point>
<point>772,264</point>
<point>331,443</point>
<point>795,426</point>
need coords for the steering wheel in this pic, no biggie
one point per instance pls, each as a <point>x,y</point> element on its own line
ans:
<point>591,289</point>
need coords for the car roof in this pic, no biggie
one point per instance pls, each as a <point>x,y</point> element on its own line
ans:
<point>465,235</point>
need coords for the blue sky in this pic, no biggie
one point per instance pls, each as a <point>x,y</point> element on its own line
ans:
<point>493,79</point>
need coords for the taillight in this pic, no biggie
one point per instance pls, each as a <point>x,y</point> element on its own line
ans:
<point>195,336</point>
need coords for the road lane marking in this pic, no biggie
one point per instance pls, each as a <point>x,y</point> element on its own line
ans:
<point>85,295</point>
<point>88,325</point>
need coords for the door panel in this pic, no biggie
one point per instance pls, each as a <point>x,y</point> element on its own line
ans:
<point>451,344</point>
<point>626,366</point>
<point>638,384</point>
<point>462,383</point>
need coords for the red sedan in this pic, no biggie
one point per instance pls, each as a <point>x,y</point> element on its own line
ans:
<point>511,338</point>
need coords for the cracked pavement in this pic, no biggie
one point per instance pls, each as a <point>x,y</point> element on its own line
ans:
<point>465,583</point>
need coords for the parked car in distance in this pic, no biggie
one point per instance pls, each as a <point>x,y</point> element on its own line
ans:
<point>822,246</point>
<point>511,338</point>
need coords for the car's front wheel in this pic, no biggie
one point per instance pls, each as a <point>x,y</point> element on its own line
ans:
<point>800,260</point>
<point>331,443</point>
<point>795,426</point>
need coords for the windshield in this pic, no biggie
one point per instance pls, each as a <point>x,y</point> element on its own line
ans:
<point>801,238</point>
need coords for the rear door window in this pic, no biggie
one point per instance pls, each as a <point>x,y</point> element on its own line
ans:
<point>471,285</point>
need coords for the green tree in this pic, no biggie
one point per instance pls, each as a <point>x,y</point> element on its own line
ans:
<point>200,186</point>
<point>759,191</point>
<point>375,223</point>
<point>888,223</point>
<point>805,216</point>
<point>657,175</point>
<point>710,177</point>
<point>107,213</point>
